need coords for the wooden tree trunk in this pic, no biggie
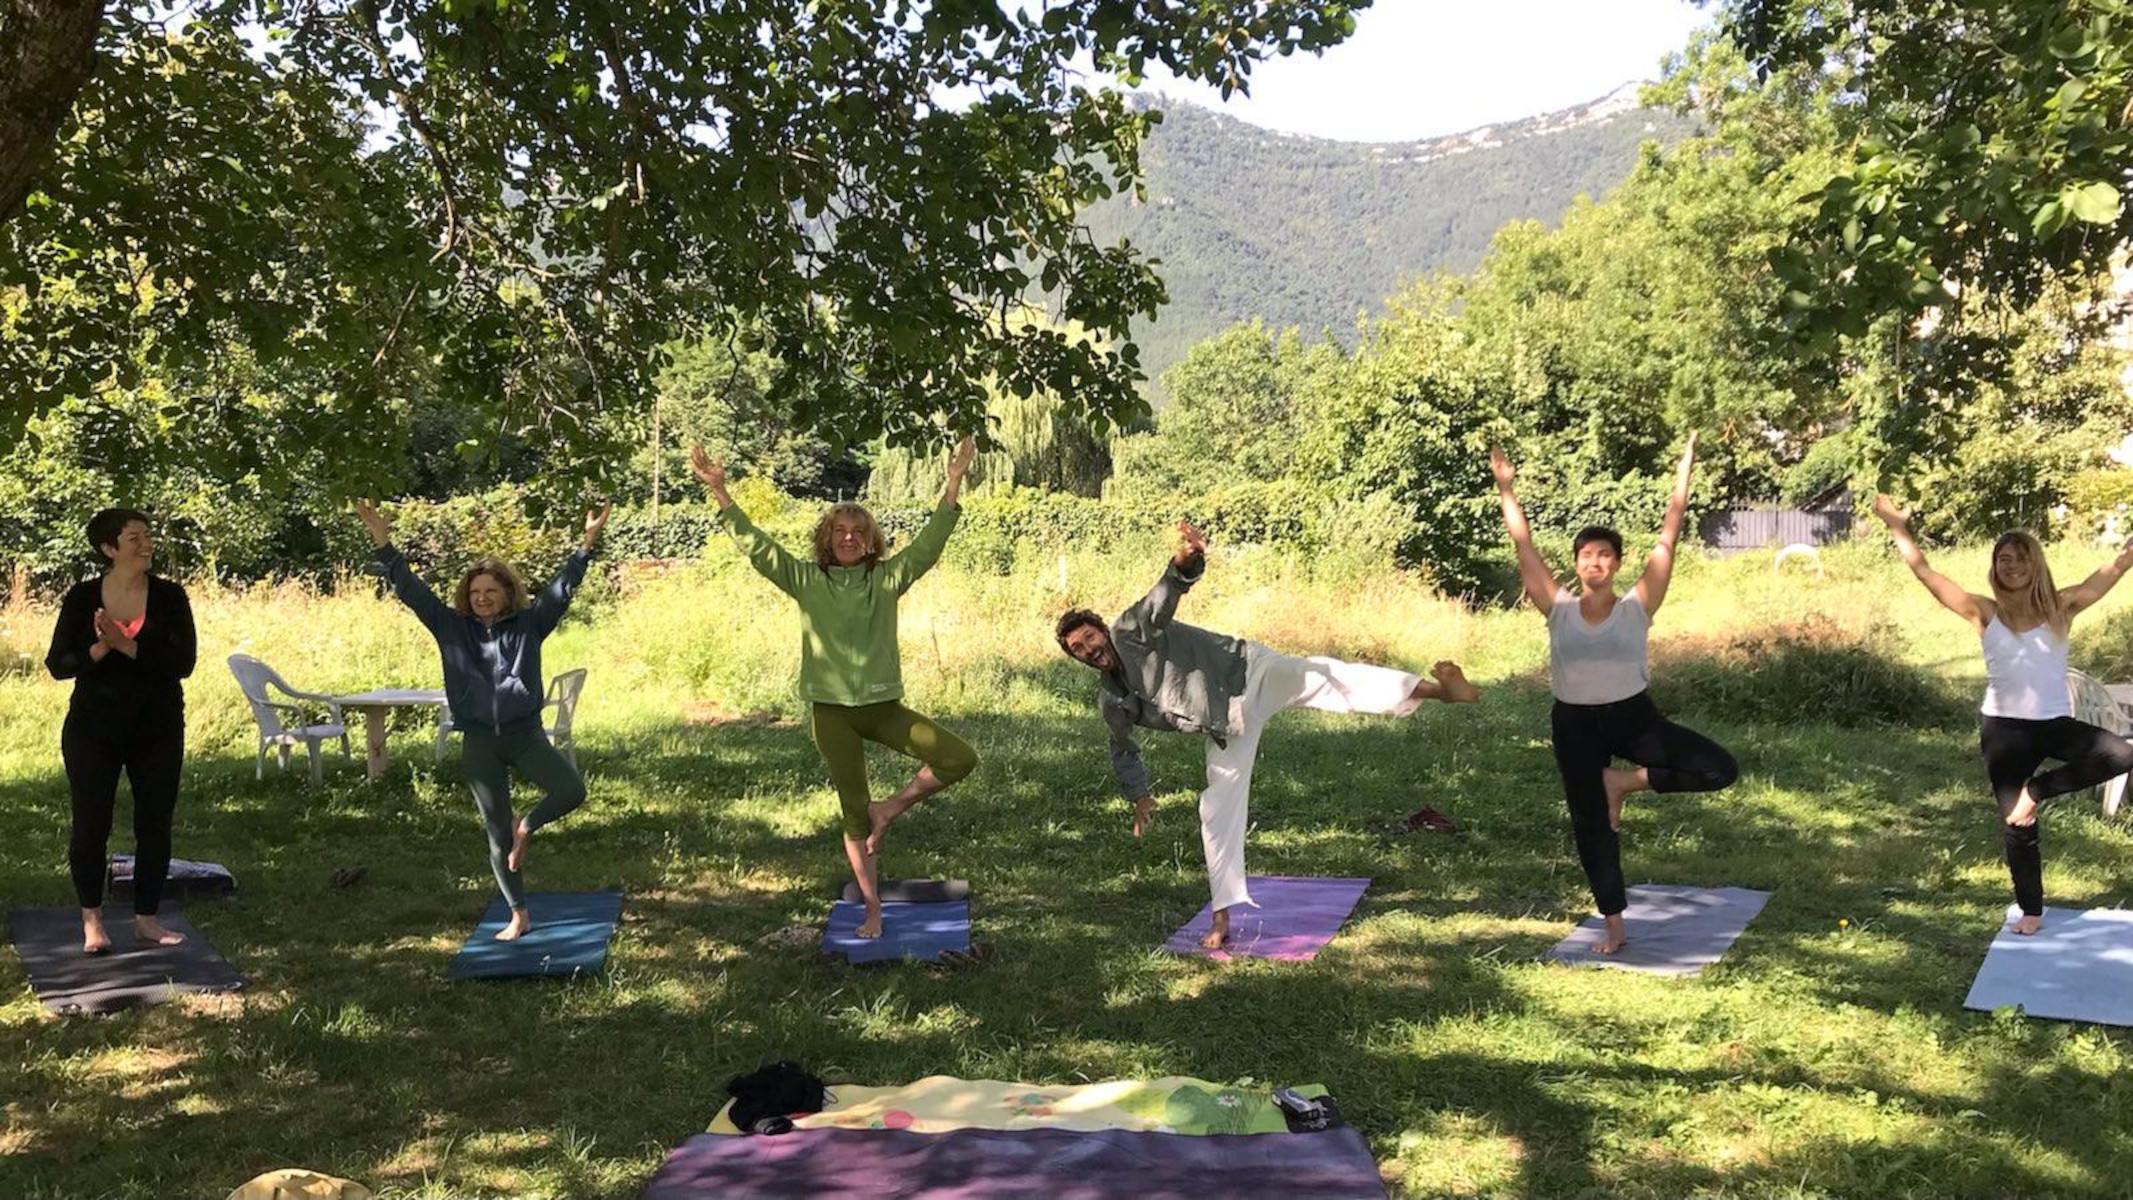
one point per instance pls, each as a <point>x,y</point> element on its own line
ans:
<point>47,50</point>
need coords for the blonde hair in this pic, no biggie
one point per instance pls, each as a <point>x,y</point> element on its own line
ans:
<point>869,532</point>
<point>2039,602</point>
<point>501,572</point>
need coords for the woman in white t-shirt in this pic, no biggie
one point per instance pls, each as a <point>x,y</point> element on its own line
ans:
<point>1597,668</point>
<point>2027,715</point>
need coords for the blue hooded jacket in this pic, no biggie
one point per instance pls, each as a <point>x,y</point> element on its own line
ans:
<point>492,673</point>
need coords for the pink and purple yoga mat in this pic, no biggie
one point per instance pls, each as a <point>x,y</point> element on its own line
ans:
<point>1296,917</point>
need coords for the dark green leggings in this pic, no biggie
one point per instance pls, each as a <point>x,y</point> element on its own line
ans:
<point>842,731</point>
<point>487,760</point>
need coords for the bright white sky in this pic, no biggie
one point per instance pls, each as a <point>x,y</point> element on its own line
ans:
<point>1424,68</point>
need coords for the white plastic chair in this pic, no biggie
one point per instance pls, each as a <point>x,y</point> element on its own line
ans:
<point>254,678</point>
<point>562,697</point>
<point>2093,704</point>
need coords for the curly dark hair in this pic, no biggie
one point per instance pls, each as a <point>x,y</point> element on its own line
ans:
<point>1075,619</point>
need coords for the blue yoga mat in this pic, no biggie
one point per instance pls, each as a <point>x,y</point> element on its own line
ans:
<point>922,931</point>
<point>570,934</point>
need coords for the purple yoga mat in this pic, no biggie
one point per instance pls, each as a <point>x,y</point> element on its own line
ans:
<point>1296,917</point>
<point>1055,1164</point>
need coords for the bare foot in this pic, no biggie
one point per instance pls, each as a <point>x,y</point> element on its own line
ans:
<point>1216,937</point>
<point>883,813</point>
<point>1617,936</point>
<point>2024,811</point>
<point>1452,685</point>
<point>2027,924</point>
<point>871,927</point>
<point>1620,784</point>
<point>521,924</point>
<point>93,938</point>
<point>516,860</point>
<point>152,934</point>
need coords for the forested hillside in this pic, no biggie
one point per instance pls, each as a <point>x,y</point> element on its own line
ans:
<point>1309,231</point>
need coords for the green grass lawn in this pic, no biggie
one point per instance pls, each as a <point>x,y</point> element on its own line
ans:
<point>1828,1053</point>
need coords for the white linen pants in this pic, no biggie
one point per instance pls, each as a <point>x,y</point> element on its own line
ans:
<point>1274,681</point>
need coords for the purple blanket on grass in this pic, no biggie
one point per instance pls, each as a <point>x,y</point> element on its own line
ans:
<point>1054,1164</point>
<point>1296,917</point>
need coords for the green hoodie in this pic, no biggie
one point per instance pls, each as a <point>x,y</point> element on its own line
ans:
<point>848,651</point>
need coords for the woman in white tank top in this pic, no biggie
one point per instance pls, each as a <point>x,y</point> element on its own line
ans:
<point>1598,668</point>
<point>2027,716</point>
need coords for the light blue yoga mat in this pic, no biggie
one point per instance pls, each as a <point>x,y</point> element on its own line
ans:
<point>920,931</point>
<point>570,935</point>
<point>2079,967</point>
<point>1673,929</point>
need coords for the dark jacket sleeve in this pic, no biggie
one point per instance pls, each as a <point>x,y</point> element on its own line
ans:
<point>1161,603</point>
<point>1126,764</point>
<point>432,612</point>
<point>554,600</point>
<point>72,635</point>
<point>168,644</point>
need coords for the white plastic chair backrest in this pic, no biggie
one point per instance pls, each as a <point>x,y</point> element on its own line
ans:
<point>2092,701</point>
<point>563,693</point>
<point>252,678</point>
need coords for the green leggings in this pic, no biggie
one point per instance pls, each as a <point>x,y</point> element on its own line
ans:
<point>487,760</point>
<point>842,731</point>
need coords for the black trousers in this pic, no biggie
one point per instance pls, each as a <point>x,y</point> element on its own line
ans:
<point>1588,737</point>
<point>152,756</point>
<point>2014,749</point>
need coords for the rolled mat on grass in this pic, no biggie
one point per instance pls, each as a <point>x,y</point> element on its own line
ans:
<point>1294,919</point>
<point>189,879</point>
<point>1673,929</point>
<point>922,932</point>
<point>1174,1104</point>
<point>69,981</point>
<point>1054,1164</point>
<point>912,891</point>
<point>2078,967</point>
<point>570,934</point>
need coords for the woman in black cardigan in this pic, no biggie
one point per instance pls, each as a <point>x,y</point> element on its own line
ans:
<point>126,640</point>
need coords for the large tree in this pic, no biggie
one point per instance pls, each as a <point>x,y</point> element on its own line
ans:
<point>517,203</point>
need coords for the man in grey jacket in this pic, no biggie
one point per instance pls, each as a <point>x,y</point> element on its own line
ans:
<point>1160,673</point>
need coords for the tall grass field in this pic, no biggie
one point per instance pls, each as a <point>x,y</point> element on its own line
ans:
<point>1827,1054</point>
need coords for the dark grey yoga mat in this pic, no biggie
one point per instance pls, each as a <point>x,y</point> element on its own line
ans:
<point>2079,967</point>
<point>70,982</point>
<point>913,891</point>
<point>1673,929</point>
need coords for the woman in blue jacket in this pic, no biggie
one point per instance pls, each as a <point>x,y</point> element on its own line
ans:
<point>490,639</point>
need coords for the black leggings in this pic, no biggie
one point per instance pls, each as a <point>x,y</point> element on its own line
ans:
<point>1588,737</point>
<point>152,762</point>
<point>2014,749</point>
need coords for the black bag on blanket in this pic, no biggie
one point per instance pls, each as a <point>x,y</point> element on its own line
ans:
<point>765,1099</point>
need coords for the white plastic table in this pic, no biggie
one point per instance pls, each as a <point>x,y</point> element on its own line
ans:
<point>375,707</point>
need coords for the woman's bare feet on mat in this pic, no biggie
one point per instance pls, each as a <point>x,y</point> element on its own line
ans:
<point>520,925</point>
<point>2026,924</point>
<point>520,835</point>
<point>1616,937</point>
<point>93,938</point>
<point>1620,784</point>
<point>150,933</point>
<point>1218,936</point>
<point>871,927</point>
<point>2024,811</point>
<point>1452,686</point>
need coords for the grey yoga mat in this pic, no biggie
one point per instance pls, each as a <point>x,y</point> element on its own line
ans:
<point>2078,967</point>
<point>68,981</point>
<point>1673,929</point>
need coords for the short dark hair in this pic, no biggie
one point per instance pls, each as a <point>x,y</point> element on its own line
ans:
<point>106,526</point>
<point>1596,533</point>
<point>1077,618</point>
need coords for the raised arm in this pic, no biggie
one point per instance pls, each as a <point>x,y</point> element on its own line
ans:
<point>434,614</point>
<point>1187,564</point>
<point>1533,574</point>
<point>905,567</point>
<point>771,561</point>
<point>554,599</point>
<point>1975,609</point>
<point>1659,568</point>
<point>2098,585</point>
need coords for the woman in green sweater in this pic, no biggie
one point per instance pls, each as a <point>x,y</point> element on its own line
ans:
<point>851,673</point>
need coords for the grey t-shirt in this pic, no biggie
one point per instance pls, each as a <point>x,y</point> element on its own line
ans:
<point>1597,664</point>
